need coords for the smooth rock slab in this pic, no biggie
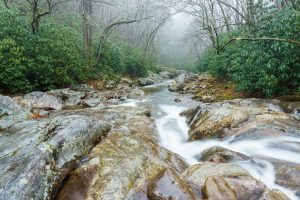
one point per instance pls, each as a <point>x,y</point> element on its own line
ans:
<point>37,155</point>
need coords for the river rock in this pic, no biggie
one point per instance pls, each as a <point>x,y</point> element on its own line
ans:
<point>136,93</point>
<point>240,117</point>
<point>167,75</point>
<point>206,99</point>
<point>219,154</point>
<point>41,100</point>
<point>145,81</point>
<point>70,97</point>
<point>181,83</point>
<point>173,87</point>
<point>155,77</point>
<point>287,174</point>
<point>110,85</point>
<point>119,168</point>
<point>11,112</point>
<point>226,181</point>
<point>36,155</point>
<point>91,102</point>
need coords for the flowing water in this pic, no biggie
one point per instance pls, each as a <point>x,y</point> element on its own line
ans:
<point>173,132</point>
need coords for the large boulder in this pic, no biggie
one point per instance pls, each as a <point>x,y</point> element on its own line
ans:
<point>36,155</point>
<point>226,181</point>
<point>145,81</point>
<point>120,168</point>
<point>41,100</point>
<point>240,117</point>
<point>168,75</point>
<point>11,112</point>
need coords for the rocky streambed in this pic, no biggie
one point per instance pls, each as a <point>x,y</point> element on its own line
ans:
<point>138,143</point>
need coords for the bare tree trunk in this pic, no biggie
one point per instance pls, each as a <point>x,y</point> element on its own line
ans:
<point>227,25</point>
<point>86,7</point>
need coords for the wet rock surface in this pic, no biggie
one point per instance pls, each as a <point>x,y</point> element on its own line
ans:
<point>218,154</point>
<point>120,168</point>
<point>240,118</point>
<point>168,185</point>
<point>37,154</point>
<point>227,181</point>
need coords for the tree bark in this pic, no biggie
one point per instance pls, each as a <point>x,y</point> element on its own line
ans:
<point>86,7</point>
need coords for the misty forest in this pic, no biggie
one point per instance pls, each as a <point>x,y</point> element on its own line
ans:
<point>150,99</point>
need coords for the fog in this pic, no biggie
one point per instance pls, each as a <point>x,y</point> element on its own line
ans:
<point>175,47</point>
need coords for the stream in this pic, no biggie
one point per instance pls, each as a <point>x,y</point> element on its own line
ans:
<point>173,132</point>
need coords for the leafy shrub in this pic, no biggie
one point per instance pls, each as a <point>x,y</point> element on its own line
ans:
<point>123,59</point>
<point>13,67</point>
<point>44,61</point>
<point>266,67</point>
